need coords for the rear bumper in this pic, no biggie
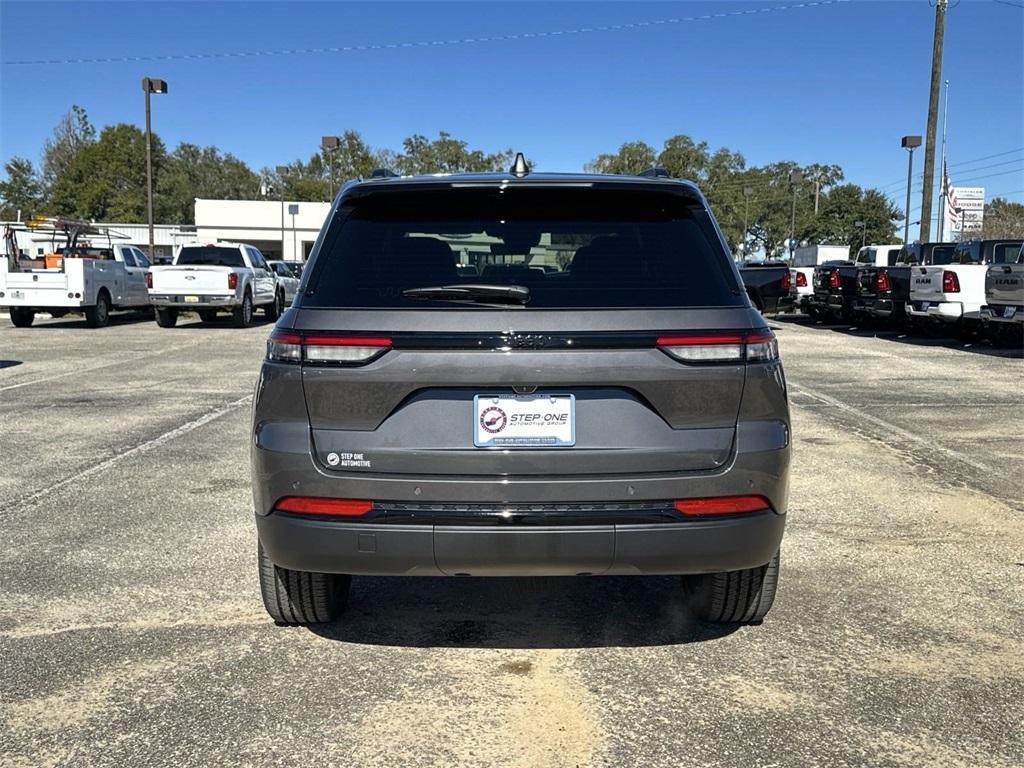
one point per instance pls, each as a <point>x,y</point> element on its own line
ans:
<point>943,311</point>
<point>697,546</point>
<point>178,301</point>
<point>997,314</point>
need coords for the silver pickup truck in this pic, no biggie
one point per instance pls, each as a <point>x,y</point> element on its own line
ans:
<point>207,279</point>
<point>1003,313</point>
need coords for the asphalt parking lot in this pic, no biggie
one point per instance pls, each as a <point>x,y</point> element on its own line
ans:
<point>132,633</point>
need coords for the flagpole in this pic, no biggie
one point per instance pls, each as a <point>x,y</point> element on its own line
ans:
<point>945,178</point>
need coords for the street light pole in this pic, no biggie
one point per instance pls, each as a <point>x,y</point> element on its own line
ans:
<point>330,145</point>
<point>747,192</point>
<point>281,170</point>
<point>795,177</point>
<point>150,85</point>
<point>909,143</point>
<point>863,232</point>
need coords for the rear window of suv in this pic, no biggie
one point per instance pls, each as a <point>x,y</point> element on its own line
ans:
<point>210,255</point>
<point>571,247</point>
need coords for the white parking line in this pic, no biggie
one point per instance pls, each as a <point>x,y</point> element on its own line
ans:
<point>148,445</point>
<point>79,371</point>
<point>891,428</point>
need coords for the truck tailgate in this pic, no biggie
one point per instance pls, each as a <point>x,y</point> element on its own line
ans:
<point>198,280</point>
<point>1004,285</point>
<point>926,284</point>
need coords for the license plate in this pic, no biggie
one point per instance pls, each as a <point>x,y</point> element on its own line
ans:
<point>524,421</point>
<point>1009,312</point>
<point>191,299</point>
<point>925,305</point>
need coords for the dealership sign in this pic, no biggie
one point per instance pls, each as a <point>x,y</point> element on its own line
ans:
<point>971,201</point>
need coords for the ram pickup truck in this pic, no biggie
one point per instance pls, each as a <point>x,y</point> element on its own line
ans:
<point>79,277</point>
<point>207,279</point>
<point>885,290</point>
<point>769,285</point>
<point>950,296</point>
<point>805,259</point>
<point>1003,312</point>
<point>836,285</point>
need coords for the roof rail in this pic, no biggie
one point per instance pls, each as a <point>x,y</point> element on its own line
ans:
<point>383,173</point>
<point>654,172</point>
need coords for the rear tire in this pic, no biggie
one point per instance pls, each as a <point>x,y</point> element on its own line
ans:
<point>301,597</point>
<point>22,317</point>
<point>274,309</point>
<point>735,597</point>
<point>166,317</point>
<point>242,315</point>
<point>98,315</point>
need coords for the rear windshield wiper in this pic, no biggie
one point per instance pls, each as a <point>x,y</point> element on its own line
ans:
<point>473,293</point>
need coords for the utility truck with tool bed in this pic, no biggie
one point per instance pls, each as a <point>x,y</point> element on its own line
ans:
<point>89,274</point>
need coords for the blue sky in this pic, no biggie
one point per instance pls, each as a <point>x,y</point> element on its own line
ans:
<point>838,83</point>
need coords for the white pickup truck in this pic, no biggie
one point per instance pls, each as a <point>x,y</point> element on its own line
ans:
<point>94,280</point>
<point>952,295</point>
<point>208,278</point>
<point>1003,312</point>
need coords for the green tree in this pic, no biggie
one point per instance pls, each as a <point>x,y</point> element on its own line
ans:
<point>1003,219</point>
<point>106,179</point>
<point>632,157</point>
<point>446,154</point>
<point>72,133</point>
<point>845,205</point>
<point>190,172</point>
<point>21,191</point>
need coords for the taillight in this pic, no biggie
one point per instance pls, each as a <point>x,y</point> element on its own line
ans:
<point>950,282</point>
<point>801,280</point>
<point>232,281</point>
<point>833,278</point>
<point>752,346</point>
<point>721,505</point>
<point>149,279</point>
<point>317,348</point>
<point>314,505</point>
<point>787,280</point>
<point>882,282</point>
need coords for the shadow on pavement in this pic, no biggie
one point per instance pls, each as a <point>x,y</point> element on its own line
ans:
<point>570,612</point>
<point>976,344</point>
<point>9,363</point>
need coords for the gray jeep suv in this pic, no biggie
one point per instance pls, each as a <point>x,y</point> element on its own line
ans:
<point>520,374</point>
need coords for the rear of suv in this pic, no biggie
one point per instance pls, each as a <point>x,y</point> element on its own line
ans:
<point>515,375</point>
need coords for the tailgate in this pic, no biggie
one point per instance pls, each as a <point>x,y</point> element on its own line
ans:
<point>1004,285</point>
<point>926,284</point>
<point>418,408</point>
<point>191,280</point>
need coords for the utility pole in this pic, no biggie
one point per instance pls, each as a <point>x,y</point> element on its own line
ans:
<point>795,177</point>
<point>933,116</point>
<point>747,192</point>
<point>945,176</point>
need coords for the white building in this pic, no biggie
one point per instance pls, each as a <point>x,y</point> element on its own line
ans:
<point>280,229</point>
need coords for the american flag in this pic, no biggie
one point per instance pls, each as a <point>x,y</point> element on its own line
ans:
<point>951,204</point>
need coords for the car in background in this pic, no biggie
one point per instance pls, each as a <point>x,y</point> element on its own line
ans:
<point>207,278</point>
<point>94,280</point>
<point>289,274</point>
<point>1002,316</point>
<point>769,285</point>
<point>836,285</point>
<point>805,259</point>
<point>623,413</point>
<point>884,291</point>
<point>951,296</point>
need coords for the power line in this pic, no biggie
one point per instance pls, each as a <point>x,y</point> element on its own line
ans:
<point>959,164</point>
<point>433,43</point>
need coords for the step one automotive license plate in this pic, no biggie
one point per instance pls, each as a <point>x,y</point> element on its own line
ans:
<point>191,299</point>
<point>524,421</point>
